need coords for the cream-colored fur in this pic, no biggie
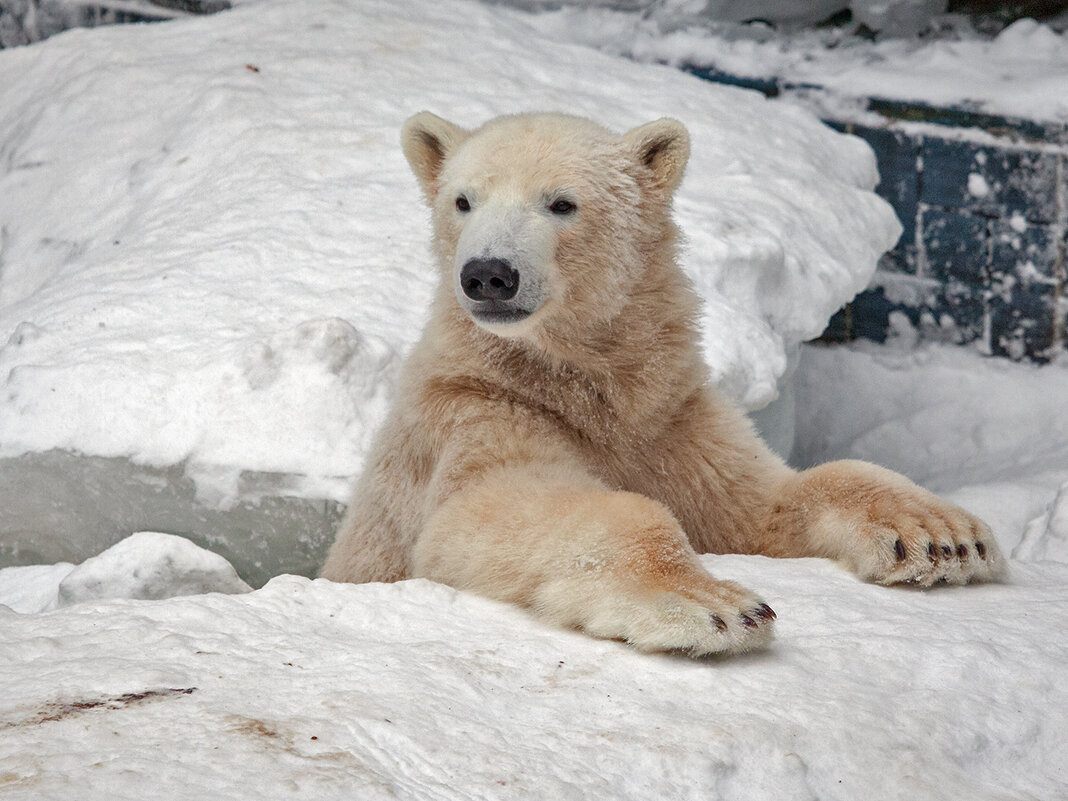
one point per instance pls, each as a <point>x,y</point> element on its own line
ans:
<point>572,457</point>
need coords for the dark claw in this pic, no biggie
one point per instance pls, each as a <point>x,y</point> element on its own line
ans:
<point>932,552</point>
<point>717,621</point>
<point>764,612</point>
<point>962,551</point>
<point>899,550</point>
<point>748,622</point>
<point>947,551</point>
<point>981,550</point>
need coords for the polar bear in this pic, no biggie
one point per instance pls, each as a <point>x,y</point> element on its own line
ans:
<point>555,441</point>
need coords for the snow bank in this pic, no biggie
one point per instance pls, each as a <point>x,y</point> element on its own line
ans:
<point>944,416</point>
<point>213,253</point>
<point>1022,72</point>
<point>416,691</point>
<point>892,17</point>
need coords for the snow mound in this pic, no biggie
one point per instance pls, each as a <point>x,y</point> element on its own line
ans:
<point>414,690</point>
<point>150,566</point>
<point>213,252</point>
<point>147,565</point>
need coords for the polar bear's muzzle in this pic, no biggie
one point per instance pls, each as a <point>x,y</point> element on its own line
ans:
<point>504,265</point>
<point>490,286</point>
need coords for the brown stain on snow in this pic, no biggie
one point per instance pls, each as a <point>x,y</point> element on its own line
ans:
<point>278,736</point>
<point>54,711</point>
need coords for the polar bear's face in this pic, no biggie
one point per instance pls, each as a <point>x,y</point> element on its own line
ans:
<point>540,219</point>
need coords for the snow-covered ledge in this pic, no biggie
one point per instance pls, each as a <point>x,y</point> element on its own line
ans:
<point>213,256</point>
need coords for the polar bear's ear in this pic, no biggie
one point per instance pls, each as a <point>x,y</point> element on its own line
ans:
<point>427,140</point>
<point>662,148</point>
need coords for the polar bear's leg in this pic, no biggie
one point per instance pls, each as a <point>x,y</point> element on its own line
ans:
<point>615,564</point>
<point>883,526</point>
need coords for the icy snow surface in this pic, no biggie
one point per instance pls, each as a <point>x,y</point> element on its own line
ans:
<point>213,250</point>
<point>1022,72</point>
<point>415,691</point>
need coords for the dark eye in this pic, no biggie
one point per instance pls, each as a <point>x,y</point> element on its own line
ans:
<point>462,204</point>
<point>562,207</point>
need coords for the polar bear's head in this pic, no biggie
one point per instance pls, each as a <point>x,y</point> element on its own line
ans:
<point>544,218</point>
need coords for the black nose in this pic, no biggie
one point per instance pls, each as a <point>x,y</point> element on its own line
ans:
<point>489,279</point>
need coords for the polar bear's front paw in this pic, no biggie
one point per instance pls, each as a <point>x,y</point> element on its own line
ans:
<point>886,528</point>
<point>703,618</point>
<point>927,540</point>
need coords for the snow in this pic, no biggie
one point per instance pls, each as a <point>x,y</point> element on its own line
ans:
<point>977,185</point>
<point>946,417</point>
<point>1046,536</point>
<point>166,566</point>
<point>147,565</point>
<point>416,691</point>
<point>893,17</point>
<point>214,254</point>
<point>242,323</point>
<point>32,588</point>
<point>1021,72</point>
